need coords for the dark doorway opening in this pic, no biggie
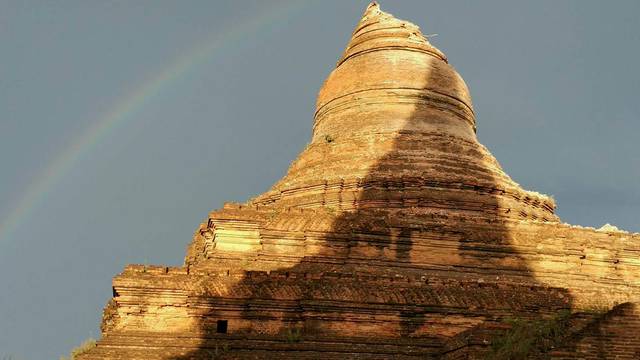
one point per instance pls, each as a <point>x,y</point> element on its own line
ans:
<point>221,326</point>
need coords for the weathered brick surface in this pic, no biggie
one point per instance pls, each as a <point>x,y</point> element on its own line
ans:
<point>394,235</point>
<point>615,335</point>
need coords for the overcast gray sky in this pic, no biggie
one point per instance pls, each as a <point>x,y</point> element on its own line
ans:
<point>122,123</point>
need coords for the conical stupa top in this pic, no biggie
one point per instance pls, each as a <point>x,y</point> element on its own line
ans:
<point>378,30</point>
<point>394,128</point>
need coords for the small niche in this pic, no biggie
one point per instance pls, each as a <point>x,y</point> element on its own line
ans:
<point>221,326</point>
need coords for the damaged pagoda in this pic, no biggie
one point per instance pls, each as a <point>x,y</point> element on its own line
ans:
<point>394,234</point>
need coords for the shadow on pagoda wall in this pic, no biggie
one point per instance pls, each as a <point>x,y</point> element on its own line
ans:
<point>611,334</point>
<point>454,258</point>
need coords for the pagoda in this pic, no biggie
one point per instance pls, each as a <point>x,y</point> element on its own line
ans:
<point>394,235</point>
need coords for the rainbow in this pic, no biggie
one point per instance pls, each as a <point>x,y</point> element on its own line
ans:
<point>128,104</point>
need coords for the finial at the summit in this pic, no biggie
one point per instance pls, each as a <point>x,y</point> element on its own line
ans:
<point>373,9</point>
